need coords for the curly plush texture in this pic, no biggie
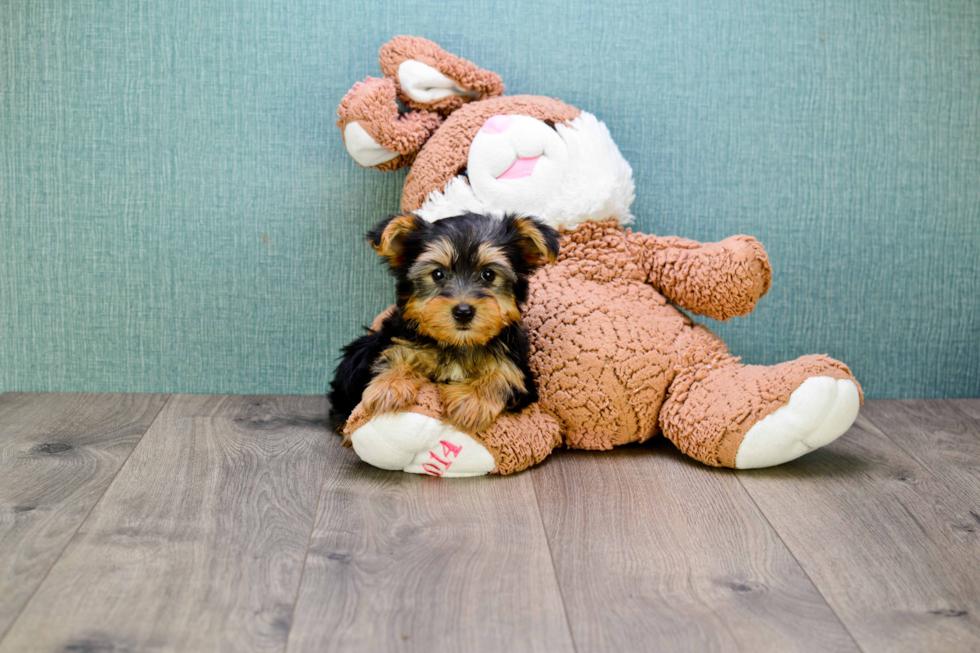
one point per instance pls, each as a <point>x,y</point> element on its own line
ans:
<point>617,363</point>
<point>609,345</point>
<point>691,273</point>
<point>708,428</point>
<point>372,105</point>
<point>465,73</point>
<point>615,358</point>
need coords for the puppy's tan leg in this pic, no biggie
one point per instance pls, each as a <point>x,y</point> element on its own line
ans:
<point>397,382</point>
<point>475,404</point>
<point>392,390</point>
<point>471,407</point>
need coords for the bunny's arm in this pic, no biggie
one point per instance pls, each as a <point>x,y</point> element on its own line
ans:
<point>719,280</point>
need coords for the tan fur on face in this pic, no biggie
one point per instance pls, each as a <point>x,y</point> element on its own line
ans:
<point>435,320</point>
<point>439,252</point>
<point>434,315</point>
<point>414,308</point>
<point>508,309</point>
<point>488,255</point>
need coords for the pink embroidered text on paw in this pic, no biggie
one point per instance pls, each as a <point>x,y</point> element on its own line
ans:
<point>436,465</point>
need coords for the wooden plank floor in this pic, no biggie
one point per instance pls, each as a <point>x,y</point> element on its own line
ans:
<point>219,523</point>
<point>58,454</point>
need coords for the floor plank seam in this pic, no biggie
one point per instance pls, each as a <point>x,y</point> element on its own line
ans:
<point>970,419</point>
<point>926,467</point>
<point>554,568</point>
<point>800,565</point>
<point>47,573</point>
<point>306,554</point>
<point>888,536</point>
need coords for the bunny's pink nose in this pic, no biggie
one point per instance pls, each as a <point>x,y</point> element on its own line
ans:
<point>497,124</point>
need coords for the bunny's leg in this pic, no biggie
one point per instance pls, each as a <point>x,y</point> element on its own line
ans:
<point>419,442</point>
<point>726,414</point>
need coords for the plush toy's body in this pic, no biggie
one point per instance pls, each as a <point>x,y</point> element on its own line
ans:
<point>615,359</point>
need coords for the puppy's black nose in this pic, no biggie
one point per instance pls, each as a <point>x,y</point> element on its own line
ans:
<point>463,313</point>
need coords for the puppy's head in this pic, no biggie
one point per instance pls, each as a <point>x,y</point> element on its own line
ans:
<point>461,280</point>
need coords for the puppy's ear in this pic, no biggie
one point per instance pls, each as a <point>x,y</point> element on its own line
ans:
<point>389,237</point>
<point>537,242</point>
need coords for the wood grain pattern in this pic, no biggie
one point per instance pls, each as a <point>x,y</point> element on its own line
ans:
<point>969,407</point>
<point>58,454</point>
<point>407,563</point>
<point>241,524</point>
<point>656,552</point>
<point>881,538</point>
<point>942,439</point>
<point>198,545</point>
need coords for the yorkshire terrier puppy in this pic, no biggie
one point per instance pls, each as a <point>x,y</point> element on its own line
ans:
<point>461,283</point>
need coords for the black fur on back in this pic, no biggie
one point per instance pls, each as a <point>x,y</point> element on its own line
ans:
<point>354,374</point>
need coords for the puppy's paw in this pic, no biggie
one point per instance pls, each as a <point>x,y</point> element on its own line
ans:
<point>390,394</point>
<point>467,410</point>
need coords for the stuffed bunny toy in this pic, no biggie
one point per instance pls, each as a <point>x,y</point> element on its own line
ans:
<point>615,358</point>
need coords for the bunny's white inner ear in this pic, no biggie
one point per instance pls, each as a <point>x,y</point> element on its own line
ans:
<point>363,148</point>
<point>423,83</point>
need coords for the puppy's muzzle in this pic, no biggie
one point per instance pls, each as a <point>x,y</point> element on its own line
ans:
<point>463,313</point>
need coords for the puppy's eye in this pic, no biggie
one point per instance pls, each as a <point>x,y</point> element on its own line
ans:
<point>438,275</point>
<point>488,275</point>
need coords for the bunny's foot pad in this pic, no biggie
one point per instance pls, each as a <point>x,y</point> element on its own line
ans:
<point>817,413</point>
<point>419,444</point>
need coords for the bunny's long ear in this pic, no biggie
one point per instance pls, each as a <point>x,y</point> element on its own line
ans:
<point>375,133</point>
<point>427,77</point>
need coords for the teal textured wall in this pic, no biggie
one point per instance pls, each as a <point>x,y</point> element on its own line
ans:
<point>177,212</point>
